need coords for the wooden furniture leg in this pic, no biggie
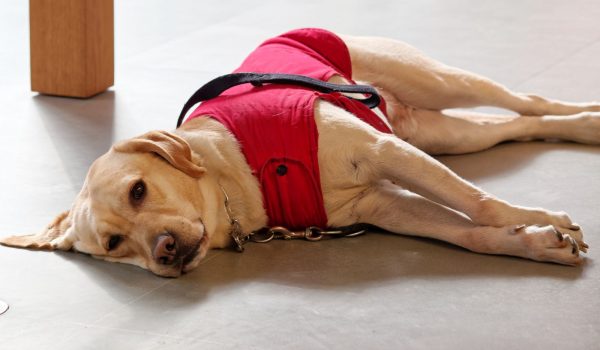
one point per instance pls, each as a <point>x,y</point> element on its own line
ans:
<point>72,46</point>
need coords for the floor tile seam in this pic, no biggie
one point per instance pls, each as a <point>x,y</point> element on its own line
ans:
<point>180,37</point>
<point>126,330</point>
<point>148,292</point>
<point>128,303</point>
<point>226,21</point>
<point>143,332</point>
<point>211,257</point>
<point>557,62</point>
<point>188,71</point>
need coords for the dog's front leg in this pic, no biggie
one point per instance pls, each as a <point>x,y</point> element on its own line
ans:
<point>400,162</point>
<point>397,210</point>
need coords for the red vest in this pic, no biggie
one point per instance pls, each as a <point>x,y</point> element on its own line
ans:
<point>275,124</point>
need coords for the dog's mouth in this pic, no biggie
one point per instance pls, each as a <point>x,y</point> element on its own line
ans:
<point>194,254</point>
<point>193,258</point>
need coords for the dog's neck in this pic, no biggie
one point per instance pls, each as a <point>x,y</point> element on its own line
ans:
<point>227,169</point>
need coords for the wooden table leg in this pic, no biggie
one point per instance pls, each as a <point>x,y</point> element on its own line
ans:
<point>72,46</point>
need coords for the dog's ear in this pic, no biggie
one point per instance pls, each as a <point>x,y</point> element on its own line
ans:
<point>53,237</point>
<point>171,147</point>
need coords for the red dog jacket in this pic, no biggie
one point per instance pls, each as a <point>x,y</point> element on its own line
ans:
<point>275,124</point>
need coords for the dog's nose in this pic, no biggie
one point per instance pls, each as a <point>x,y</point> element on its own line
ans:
<point>165,249</point>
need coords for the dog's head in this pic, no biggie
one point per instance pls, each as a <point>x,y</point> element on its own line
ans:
<point>140,204</point>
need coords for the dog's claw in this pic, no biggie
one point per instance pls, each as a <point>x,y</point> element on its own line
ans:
<point>584,247</point>
<point>575,250</point>
<point>575,227</point>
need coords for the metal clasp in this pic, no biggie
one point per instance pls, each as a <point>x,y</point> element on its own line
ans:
<point>313,234</point>
<point>267,234</point>
<point>238,236</point>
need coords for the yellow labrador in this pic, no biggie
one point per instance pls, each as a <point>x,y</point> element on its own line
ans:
<point>157,200</point>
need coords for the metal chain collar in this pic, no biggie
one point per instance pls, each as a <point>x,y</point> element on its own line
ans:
<point>268,234</point>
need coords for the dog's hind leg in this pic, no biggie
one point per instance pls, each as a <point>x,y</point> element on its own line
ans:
<point>401,70</point>
<point>457,132</point>
<point>400,211</point>
<point>351,155</point>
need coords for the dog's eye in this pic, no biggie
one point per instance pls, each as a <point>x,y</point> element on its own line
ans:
<point>138,191</point>
<point>114,241</point>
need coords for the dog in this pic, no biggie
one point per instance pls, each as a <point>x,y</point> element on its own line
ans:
<point>163,199</point>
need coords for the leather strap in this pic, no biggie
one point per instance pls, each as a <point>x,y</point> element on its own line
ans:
<point>218,85</point>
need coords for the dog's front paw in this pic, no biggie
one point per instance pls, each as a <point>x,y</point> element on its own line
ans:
<point>548,243</point>
<point>498,213</point>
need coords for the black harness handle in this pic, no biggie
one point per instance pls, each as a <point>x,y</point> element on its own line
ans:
<point>218,85</point>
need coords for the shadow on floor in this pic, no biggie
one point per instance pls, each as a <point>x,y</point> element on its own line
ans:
<point>81,129</point>
<point>508,157</point>
<point>334,265</point>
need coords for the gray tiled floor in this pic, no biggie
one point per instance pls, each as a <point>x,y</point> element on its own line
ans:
<point>377,291</point>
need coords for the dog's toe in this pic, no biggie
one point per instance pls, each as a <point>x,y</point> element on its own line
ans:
<point>577,235</point>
